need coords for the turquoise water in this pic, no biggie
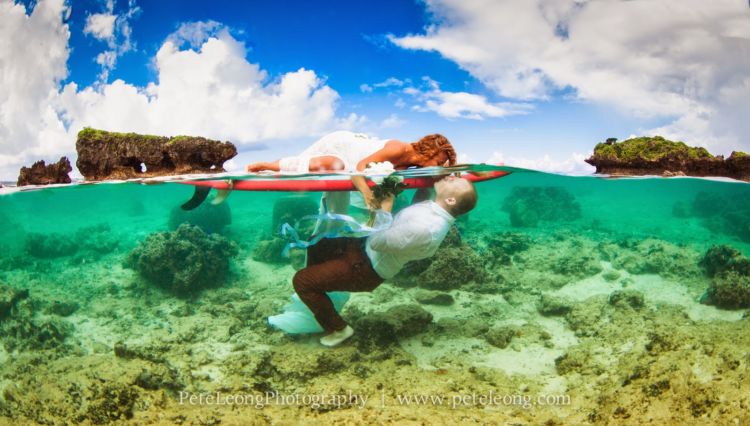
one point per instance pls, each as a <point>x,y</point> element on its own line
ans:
<point>632,207</point>
<point>584,287</point>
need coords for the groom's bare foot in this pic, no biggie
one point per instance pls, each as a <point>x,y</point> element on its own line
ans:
<point>337,337</point>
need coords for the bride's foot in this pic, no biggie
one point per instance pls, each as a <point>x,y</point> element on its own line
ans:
<point>337,337</point>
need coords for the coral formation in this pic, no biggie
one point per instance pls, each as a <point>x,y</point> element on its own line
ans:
<point>730,273</point>
<point>108,155</point>
<point>429,297</point>
<point>21,328</point>
<point>451,268</point>
<point>208,217</point>
<point>381,328</point>
<point>45,174</point>
<point>529,205</point>
<point>183,261</point>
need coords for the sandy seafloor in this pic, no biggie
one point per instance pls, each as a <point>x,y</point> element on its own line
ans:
<point>580,305</point>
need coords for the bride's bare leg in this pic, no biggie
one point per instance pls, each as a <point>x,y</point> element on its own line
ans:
<point>261,166</point>
<point>326,163</point>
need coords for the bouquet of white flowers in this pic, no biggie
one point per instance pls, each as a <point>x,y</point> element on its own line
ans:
<point>387,183</point>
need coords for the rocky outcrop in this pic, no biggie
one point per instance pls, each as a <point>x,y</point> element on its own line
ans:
<point>659,156</point>
<point>112,156</point>
<point>44,174</point>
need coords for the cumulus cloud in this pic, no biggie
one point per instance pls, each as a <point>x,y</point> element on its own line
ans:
<point>573,165</point>
<point>461,104</point>
<point>212,90</point>
<point>392,121</point>
<point>115,30</point>
<point>100,25</point>
<point>33,55</point>
<point>679,60</point>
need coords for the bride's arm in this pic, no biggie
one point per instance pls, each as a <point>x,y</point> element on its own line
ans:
<point>389,152</point>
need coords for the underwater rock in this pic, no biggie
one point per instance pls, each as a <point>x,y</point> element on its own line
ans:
<point>208,217</point>
<point>22,329</point>
<point>45,174</point>
<point>428,297</point>
<point>728,290</point>
<point>501,336</point>
<point>184,261</point>
<point>290,209</point>
<point>651,256</point>
<point>160,376</point>
<point>112,156</point>
<point>63,308</point>
<point>719,259</point>
<point>529,205</point>
<point>659,156</point>
<point>453,267</point>
<point>398,321</point>
<point>110,402</point>
<point>90,242</point>
<point>49,246</point>
<point>9,297</point>
<point>575,360</point>
<point>730,272</point>
<point>627,299</point>
<point>270,251</point>
<point>553,306</point>
<point>500,248</point>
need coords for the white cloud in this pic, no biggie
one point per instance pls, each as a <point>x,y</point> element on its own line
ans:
<point>194,33</point>
<point>573,165</point>
<point>684,60</point>
<point>115,30</point>
<point>392,82</point>
<point>461,104</point>
<point>33,55</point>
<point>100,25</point>
<point>212,91</point>
<point>365,88</point>
<point>392,121</point>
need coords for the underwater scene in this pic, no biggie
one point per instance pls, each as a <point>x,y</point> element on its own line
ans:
<point>557,300</point>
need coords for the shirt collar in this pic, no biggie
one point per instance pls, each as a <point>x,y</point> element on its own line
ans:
<point>441,211</point>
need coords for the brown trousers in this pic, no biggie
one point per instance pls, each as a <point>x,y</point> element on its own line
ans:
<point>334,264</point>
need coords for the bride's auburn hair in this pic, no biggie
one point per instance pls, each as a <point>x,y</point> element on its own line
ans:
<point>431,146</point>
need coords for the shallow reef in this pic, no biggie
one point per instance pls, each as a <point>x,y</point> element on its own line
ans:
<point>183,261</point>
<point>87,243</point>
<point>527,206</point>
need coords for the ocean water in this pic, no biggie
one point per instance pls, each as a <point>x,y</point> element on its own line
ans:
<point>591,291</point>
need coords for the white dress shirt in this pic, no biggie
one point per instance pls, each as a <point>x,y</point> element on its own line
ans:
<point>416,233</point>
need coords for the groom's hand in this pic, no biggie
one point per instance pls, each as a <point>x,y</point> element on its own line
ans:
<point>387,203</point>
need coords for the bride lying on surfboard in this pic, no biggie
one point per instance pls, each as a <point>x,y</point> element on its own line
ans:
<point>348,151</point>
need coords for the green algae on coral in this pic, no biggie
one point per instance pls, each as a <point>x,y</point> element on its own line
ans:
<point>648,148</point>
<point>183,261</point>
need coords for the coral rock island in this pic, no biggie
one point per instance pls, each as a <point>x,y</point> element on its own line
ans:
<point>45,174</point>
<point>111,156</point>
<point>659,156</point>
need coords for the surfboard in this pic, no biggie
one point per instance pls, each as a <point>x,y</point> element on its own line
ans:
<point>202,187</point>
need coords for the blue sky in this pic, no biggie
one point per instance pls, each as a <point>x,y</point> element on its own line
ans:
<point>531,83</point>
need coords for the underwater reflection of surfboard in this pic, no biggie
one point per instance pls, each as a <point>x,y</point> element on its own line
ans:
<point>203,187</point>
